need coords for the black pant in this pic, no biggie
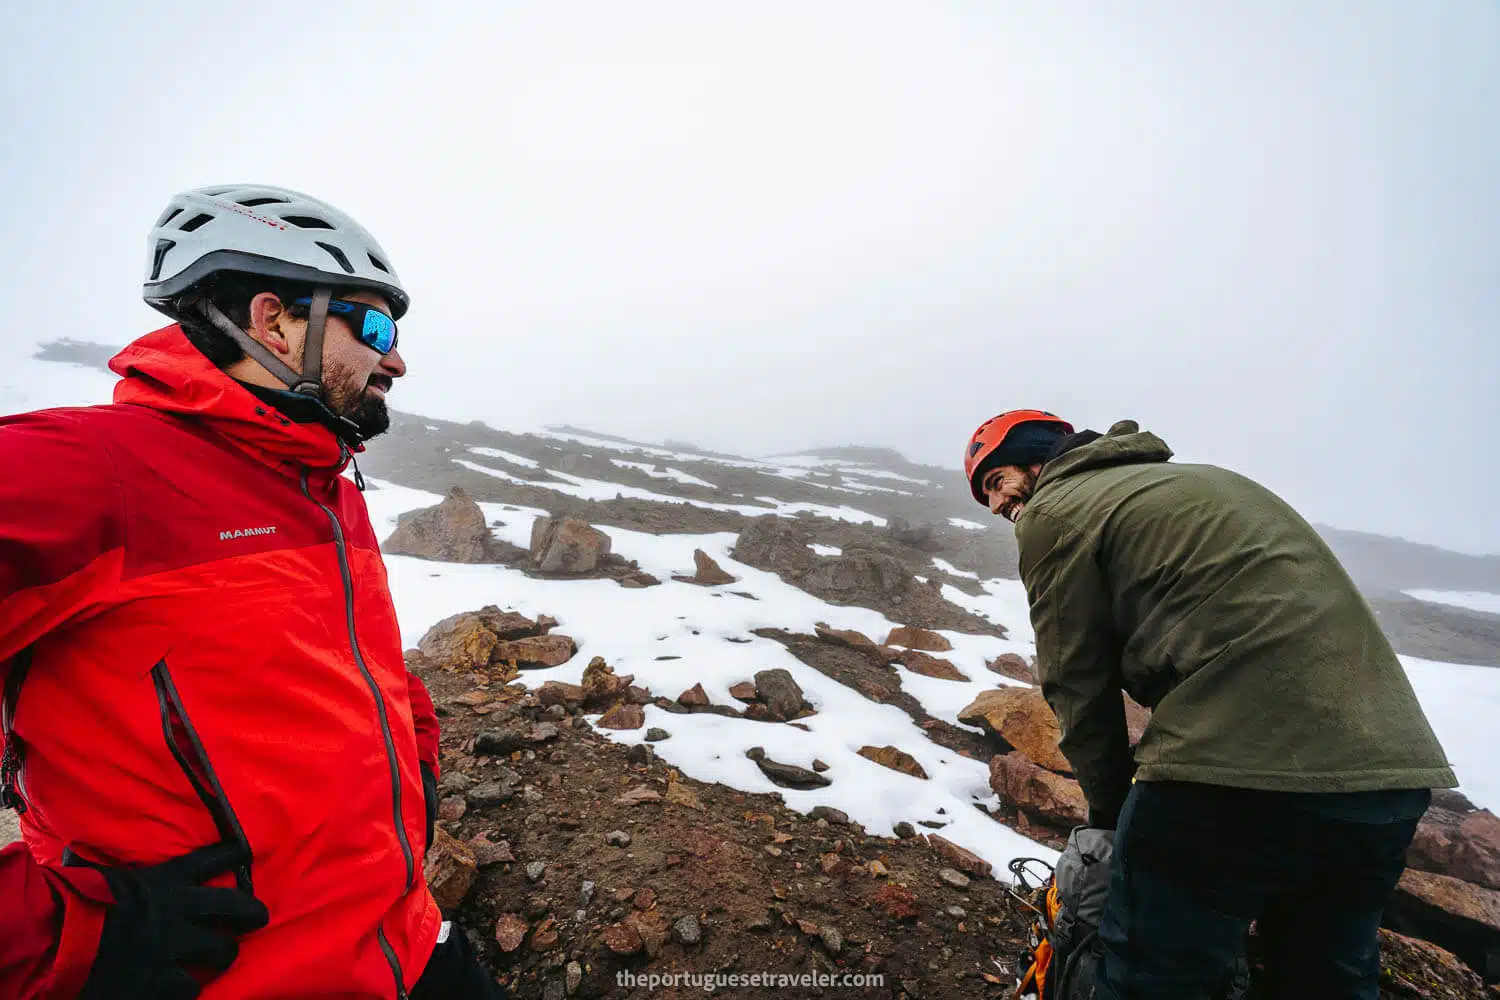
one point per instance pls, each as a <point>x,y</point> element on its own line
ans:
<point>453,973</point>
<point>1195,864</point>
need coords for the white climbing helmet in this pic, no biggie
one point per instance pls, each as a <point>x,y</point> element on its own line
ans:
<point>270,231</point>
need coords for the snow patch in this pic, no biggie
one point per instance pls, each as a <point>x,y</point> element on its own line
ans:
<point>513,459</point>
<point>1474,600</point>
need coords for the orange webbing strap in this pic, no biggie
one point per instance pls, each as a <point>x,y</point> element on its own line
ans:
<point>1041,961</point>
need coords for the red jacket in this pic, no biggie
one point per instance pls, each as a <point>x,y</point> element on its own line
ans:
<point>213,654</point>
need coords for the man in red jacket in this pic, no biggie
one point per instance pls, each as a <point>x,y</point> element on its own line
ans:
<point>225,775</point>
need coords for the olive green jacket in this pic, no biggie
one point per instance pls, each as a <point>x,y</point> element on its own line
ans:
<point>1209,600</point>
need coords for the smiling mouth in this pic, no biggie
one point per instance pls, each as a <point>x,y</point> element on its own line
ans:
<point>380,382</point>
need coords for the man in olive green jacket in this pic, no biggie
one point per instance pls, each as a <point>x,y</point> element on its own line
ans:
<point>1287,760</point>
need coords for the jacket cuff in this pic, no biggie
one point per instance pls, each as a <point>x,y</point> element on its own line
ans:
<point>85,898</point>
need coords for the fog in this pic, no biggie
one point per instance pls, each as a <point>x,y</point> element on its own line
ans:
<point>1270,232</point>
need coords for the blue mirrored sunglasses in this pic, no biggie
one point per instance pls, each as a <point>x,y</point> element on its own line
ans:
<point>374,328</point>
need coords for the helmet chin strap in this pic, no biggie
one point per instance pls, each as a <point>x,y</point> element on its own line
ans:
<point>309,382</point>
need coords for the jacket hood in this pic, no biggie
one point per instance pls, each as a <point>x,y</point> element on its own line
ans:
<point>1124,444</point>
<point>165,372</point>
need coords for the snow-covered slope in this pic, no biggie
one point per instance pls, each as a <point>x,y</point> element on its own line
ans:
<point>631,629</point>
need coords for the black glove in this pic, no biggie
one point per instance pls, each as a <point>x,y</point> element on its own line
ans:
<point>453,973</point>
<point>164,921</point>
<point>430,797</point>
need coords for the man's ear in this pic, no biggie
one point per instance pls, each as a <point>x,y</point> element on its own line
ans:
<point>271,324</point>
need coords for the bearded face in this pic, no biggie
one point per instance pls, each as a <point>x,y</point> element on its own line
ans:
<point>358,396</point>
<point>1009,487</point>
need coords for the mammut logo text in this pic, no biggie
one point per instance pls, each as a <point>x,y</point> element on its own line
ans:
<point>225,536</point>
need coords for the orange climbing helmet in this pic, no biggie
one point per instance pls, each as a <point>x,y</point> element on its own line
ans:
<point>992,434</point>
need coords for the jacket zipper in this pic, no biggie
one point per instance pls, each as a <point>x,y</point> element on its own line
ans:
<point>385,725</point>
<point>187,748</point>
<point>12,759</point>
<point>395,963</point>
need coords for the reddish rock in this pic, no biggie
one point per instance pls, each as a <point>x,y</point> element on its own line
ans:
<point>544,937</point>
<point>1013,666</point>
<point>918,638</point>
<point>707,573</point>
<point>964,860</point>
<point>535,651</point>
<point>743,691</point>
<point>694,696</point>
<point>680,794</point>
<point>1416,967</point>
<point>637,796</point>
<point>759,712</point>
<point>512,624</point>
<point>780,692</point>
<point>559,693</point>
<point>651,926</point>
<point>623,716</point>
<point>602,687</point>
<point>450,869</point>
<point>1458,840</point>
<point>898,902</point>
<point>835,866</point>
<point>452,808</point>
<point>846,637</point>
<point>487,853</point>
<point>1459,916</point>
<point>645,898</point>
<point>893,758</point>
<point>452,531</point>
<point>510,931</point>
<point>1476,853</point>
<point>622,939</point>
<point>873,691</point>
<point>566,545</point>
<point>1047,797</point>
<point>1022,720</point>
<point>931,666</point>
<point>460,643</point>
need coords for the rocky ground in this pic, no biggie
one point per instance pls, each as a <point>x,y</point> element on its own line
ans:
<point>10,827</point>
<point>571,860</point>
<point>622,865</point>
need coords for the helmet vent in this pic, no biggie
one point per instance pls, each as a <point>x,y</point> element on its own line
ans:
<point>338,255</point>
<point>307,222</point>
<point>195,223</point>
<point>378,262</point>
<point>168,217</point>
<point>254,202</point>
<point>162,246</point>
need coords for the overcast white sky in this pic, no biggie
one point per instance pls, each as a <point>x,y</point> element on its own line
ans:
<point>1269,231</point>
